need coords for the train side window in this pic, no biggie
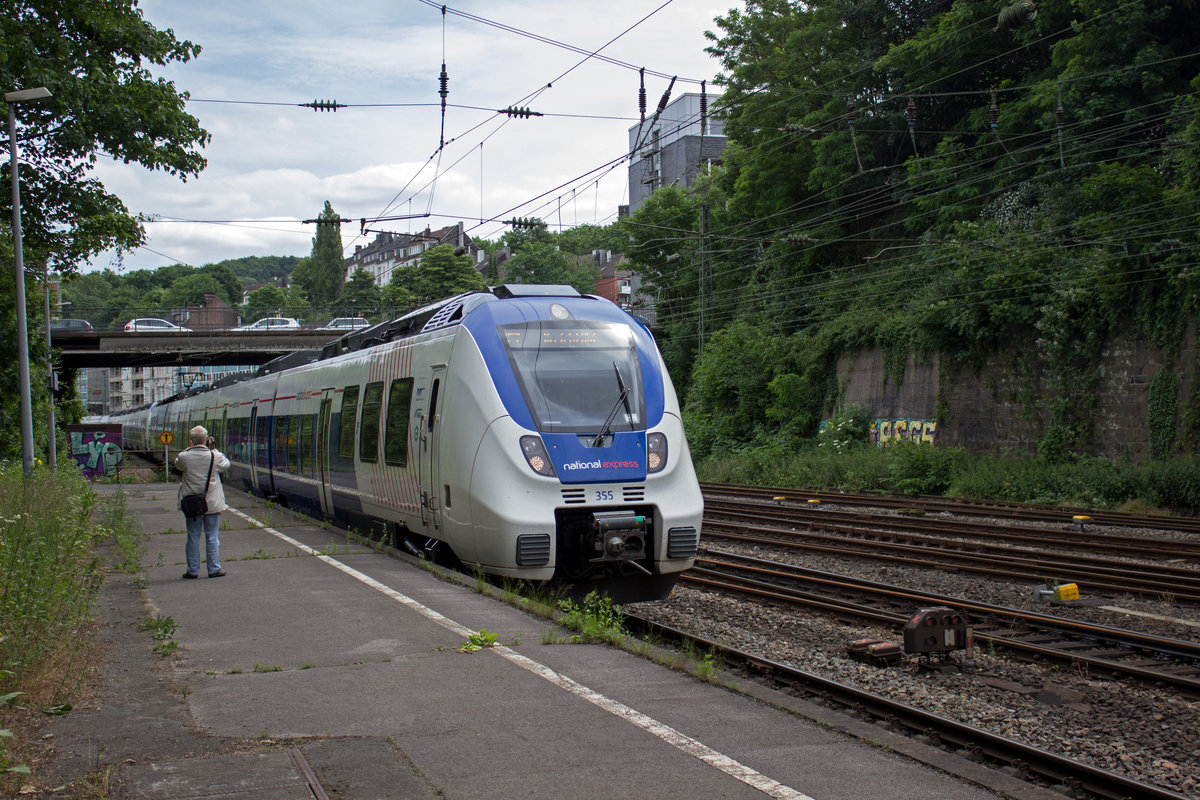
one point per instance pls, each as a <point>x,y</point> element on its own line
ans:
<point>368,438</point>
<point>395,440</point>
<point>346,429</point>
<point>433,400</point>
<point>308,425</point>
<point>281,442</point>
<point>295,442</point>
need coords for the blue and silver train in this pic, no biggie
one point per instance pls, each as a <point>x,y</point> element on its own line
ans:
<point>529,432</point>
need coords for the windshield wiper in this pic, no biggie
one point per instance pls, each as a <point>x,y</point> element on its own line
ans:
<point>622,399</point>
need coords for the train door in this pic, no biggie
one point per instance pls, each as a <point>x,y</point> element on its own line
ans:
<point>252,448</point>
<point>325,488</point>
<point>427,458</point>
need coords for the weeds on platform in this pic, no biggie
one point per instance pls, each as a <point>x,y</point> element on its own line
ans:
<point>597,619</point>
<point>49,577</point>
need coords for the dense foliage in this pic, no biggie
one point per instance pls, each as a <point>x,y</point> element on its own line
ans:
<point>94,56</point>
<point>911,177</point>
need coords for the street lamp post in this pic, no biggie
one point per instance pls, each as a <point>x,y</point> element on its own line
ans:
<point>13,98</point>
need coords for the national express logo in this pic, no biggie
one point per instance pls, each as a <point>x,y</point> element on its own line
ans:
<point>597,464</point>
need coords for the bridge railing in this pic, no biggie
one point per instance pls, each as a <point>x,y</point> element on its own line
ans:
<point>200,319</point>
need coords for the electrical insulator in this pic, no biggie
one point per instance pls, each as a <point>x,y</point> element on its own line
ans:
<point>1019,13</point>
<point>444,82</point>
<point>642,92</point>
<point>522,112</point>
<point>911,113</point>
<point>995,111</point>
<point>1058,117</point>
<point>662,104</point>
<point>323,105</point>
<point>524,222</point>
<point>850,113</point>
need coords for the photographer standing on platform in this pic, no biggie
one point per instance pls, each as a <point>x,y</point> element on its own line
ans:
<point>201,464</point>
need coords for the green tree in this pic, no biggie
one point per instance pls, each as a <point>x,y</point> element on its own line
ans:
<point>93,56</point>
<point>439,274</point>
<point>325,273</point>
<point>361,291</point>
<point>264,301</point>
<point>190,290</point>
<point>230,284</point>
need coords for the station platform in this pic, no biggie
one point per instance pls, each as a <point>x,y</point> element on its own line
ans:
<point>322,668</point>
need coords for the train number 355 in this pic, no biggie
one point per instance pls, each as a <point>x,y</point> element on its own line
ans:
<point>604,496</point>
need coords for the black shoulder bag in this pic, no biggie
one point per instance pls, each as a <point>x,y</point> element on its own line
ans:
<point>194,505</point>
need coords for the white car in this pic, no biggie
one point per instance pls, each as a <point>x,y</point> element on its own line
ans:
<point>271,324</point>
<point>153,325</point>
<point>346,324</point>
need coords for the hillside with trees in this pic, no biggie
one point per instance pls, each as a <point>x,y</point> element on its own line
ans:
<point>928,177</point>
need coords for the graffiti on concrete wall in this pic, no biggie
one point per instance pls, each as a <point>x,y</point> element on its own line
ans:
<point>898,429</point>
<point>96,449</point>
<point>883,431</point>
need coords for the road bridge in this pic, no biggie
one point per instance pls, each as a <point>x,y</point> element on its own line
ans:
<point>81,349</point>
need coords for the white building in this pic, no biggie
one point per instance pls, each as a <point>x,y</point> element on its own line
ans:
<point>392,250</point>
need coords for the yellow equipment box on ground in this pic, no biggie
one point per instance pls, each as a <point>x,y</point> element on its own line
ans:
<point>1068,591</point>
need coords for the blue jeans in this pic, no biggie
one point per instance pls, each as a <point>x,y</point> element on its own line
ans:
<point>205,525</point>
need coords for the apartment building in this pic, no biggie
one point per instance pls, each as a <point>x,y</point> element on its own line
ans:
<point>673,149</point>
<point>392,250</point>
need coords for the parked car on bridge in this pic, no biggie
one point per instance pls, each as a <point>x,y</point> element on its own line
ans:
<point>271,324</point>
<point>70,325</point>
<point>153,325</point>
<point>346,324</point>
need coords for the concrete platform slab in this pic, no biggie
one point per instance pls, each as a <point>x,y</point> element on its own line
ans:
<point>351,656</point>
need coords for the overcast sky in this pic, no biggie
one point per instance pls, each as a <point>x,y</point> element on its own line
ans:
<point>272,164</point>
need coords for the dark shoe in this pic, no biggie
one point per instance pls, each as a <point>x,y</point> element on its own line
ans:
<point>218,574</point>
<point>190,576</point>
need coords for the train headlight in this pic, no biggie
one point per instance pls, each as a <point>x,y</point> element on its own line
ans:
<point>656,452</point>
<point>536,456</point>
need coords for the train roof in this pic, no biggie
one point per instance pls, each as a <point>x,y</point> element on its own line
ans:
<point>442,314</point>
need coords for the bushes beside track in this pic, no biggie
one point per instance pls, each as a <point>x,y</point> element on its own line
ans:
<point>908,468</point>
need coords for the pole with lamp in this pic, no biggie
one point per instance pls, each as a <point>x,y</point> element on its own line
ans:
<point>12,99</point>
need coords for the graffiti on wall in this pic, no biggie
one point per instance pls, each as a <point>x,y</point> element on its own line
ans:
<point>96,449</point>
<point>898,429</point>
<point>883,431</point>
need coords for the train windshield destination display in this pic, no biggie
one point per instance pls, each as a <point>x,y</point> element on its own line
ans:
<point>555,337</point>
<point>568,374</point>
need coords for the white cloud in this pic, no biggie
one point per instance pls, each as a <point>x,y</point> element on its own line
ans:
<point>281,162</point>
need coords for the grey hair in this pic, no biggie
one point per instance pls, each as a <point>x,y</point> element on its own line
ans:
<point>198,434</point>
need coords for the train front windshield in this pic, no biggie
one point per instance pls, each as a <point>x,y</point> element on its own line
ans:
<point>576,376</point>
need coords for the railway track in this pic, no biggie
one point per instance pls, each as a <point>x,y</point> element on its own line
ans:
<point>714,491</point>
<point>1025,760</point>
<point>899,541</point>
<point>1099,650</point>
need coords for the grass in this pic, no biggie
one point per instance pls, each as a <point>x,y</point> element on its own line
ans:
<point>160,627</point>
<point>915,468</point>
<point>52,525</point>
<point>596,619</point>
<point>49,575</point>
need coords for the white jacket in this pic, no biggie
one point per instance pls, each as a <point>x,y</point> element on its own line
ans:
<point>193,463</point>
